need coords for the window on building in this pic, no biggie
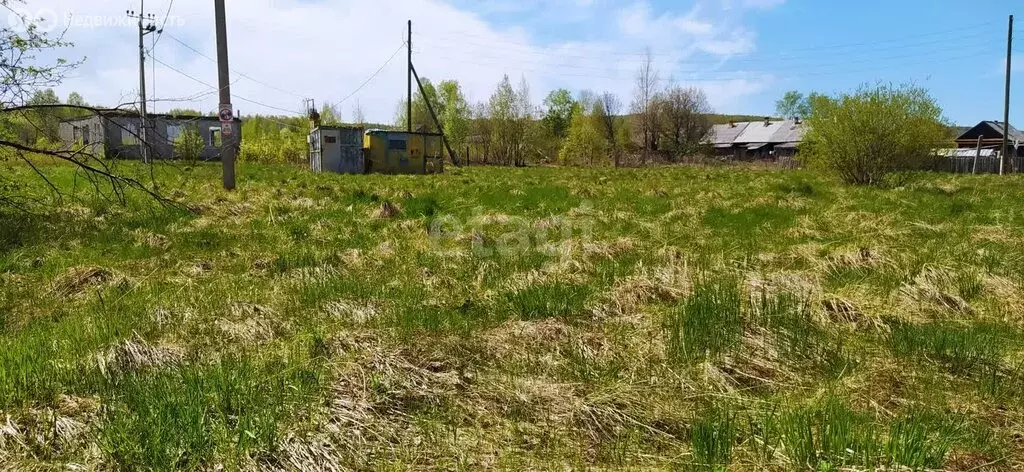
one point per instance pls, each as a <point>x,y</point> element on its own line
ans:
<point>215,137</point>
<point>331,139</point>
<point>173,131</point>
<point>130,135</point>
<point>85,135</point>
<point>396,145</point>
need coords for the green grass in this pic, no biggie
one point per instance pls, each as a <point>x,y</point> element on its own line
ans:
<point>630,319</point>
<point>712,437</point>
<point>551,300</point>
<point>960,348</point>
<point>708,323</point>
<point>184,418</point>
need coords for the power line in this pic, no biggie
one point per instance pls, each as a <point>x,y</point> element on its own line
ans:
<point>739,73</point>
<point>160,32</point>
<point>194,97</point>
<point>491,42</point>
<point>235,71</point>
<point>200,81</point>
<point>372,76</point>
<point>980,40</point>
<point>747,74</point>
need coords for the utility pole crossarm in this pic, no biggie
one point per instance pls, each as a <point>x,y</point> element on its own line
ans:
<point>144,29</point>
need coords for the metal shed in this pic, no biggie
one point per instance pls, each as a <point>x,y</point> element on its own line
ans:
<point>401,152</point>
<point>337,149</point>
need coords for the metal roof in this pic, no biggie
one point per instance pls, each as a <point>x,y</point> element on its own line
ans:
<point>760,132</point>
<point>727,133</point>
<point>966,152</point>
<point>790,131</point>
<point>1014,133</point>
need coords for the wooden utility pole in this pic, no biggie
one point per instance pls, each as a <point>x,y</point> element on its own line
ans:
<point>408,104</point>
<point>1006,108</point>
<point>430,108</point>
<point>977,154</point>
<point>227,132</point>
<point>144,29</point>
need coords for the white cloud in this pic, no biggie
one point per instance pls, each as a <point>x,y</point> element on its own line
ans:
<point>326,49</point>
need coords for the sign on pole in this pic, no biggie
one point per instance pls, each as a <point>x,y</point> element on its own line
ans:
<point>227,119</point>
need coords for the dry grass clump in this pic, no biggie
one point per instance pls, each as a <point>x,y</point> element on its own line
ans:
<point>197,269</point>
<point>668,283</point>
<point>369,417</point>
<point>248,331</point>
<point>844,311</point>
<point>528,342</point>
<point>757,364</point>
<point>64,430</point>
<point>569,272</point>
<point>608,249</point>
<point>136,354</point>
<point>148,238</point>
<point>385,211</point>
<point>79,280</point>
<point>354,311</point>
<point>935,288</point>
<point>250,324</point>
<point>863,258</point>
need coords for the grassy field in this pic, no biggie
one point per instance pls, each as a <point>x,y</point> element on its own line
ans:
<point>496,318</point>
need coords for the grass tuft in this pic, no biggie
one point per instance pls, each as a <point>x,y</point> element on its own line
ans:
<point>707,324</point>
<point>184,418</point>
<point>548,300</point>
<point>712,438</point>
<point>957,347</point>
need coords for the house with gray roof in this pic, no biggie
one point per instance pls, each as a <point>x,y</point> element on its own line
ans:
<point>758,140</point>
<point>978,149</point>
<point>991,135</point>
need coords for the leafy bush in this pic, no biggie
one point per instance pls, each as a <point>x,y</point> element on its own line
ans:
<point>876,132</point>
<point>189,144</point>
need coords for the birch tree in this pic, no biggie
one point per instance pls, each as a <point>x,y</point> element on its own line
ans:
<point>645,94</point>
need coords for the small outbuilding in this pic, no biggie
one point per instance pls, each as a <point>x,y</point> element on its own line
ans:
<point>401,152</point>
<point>337,149</point>
<point>351,150</point>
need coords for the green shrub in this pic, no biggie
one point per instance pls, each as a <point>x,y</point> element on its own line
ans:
<point>875,132</point>
<point>189,144</point>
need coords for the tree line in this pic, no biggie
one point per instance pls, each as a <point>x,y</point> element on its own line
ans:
<point>660,123</point>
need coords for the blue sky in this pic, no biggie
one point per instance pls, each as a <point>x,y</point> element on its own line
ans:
<point>954,49</point>
<point>743,53</point>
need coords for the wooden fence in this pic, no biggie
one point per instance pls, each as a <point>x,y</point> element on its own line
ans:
<point>985,165</point>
